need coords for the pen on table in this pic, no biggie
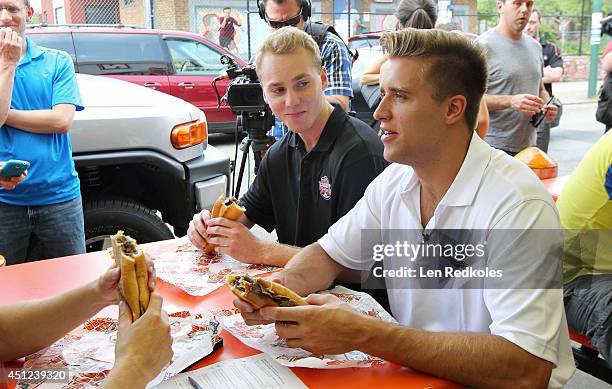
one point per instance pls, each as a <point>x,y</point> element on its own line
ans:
<point>194,383</point>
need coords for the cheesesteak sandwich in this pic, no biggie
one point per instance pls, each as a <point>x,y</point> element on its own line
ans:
<point>260,292</point>
<point>227,208</point>
<point>134,282</point>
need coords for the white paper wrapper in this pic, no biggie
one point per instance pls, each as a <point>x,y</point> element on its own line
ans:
<point>179,263</point>
<point>89,350</point>
<point>263,337</point>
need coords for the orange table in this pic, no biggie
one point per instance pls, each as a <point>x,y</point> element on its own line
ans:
<point>50,277</point>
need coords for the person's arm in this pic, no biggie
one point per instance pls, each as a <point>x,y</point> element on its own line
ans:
<point>337,62</point>
<point>524,103</point>
<point>143,348</point>
<point>20,326</point>
<point>235,21</point>
<point>22,333</point>
<point>552,75</point>
<point>606,62</point>
<point>553,71</point>
<point>328,326</point>
<point>10,53</point>
<point>477,360</point>
<point>223,22</point>
<point>371,74</point>
<point>483,119</point>
<point>65,99</point>
<point>44,121</point>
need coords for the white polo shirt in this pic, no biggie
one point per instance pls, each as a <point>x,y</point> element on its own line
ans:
<point>492,191</point>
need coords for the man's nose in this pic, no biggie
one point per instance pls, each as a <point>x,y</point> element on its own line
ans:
<point>381,112</point>
<point>292,98</point>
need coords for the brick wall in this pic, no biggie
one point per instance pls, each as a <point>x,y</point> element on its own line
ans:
<point>172,15</point>
<point>576,68</point>
<point>133,13</point>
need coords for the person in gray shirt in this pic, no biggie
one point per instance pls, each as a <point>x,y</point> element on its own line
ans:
<point>515,91</point>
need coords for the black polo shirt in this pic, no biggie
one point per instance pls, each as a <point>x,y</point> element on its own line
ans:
<point>302,194</point>
<point>552,58</point>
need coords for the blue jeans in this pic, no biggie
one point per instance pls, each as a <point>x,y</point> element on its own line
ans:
<point>588,307</point>
<point>40,232</point>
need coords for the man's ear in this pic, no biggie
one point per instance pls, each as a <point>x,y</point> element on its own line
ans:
<point>324,77</point>
<point>29,14</point>
<point>455,110</point>
<point>498,5</point>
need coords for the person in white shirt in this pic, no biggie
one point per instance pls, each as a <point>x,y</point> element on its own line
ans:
<point>444,177</point>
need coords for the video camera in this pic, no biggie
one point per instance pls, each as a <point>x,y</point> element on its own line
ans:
<point>245,97</point>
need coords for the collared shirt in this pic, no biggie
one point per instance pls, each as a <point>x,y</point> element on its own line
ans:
<point>43,78</point>
<point>585,206</point>
<point>491,191</point>
<point>552,57</point>
<point>338,64</point>
<point>301,194</point>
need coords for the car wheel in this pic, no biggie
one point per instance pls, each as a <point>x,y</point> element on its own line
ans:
<point>106,217</point>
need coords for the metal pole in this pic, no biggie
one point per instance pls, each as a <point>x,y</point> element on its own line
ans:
<point>581,29</point>
<point>248,29</point>
<point>348,28</point>
<point>152,2</point>
<point>595,39</point>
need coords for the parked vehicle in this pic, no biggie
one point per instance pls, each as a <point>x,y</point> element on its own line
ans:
<point>178,63</point>
<point>141,153</point>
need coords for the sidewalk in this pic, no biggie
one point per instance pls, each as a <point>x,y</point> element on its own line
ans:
<point>573,92</point>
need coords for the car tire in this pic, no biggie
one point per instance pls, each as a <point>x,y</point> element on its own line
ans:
<point>106,217</point>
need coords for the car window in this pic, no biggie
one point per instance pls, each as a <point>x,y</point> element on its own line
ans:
<point>55,41</point>
<point>125,54</point>
<point>192,57</point>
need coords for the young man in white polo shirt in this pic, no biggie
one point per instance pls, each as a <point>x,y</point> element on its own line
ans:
<point>444,178</point>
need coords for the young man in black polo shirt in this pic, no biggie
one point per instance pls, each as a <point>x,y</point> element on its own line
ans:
<point>309,179</point>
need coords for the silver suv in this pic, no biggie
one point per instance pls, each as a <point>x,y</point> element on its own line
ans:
<point>141,153</point>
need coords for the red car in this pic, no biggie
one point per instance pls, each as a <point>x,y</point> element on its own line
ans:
<point>179,63</point>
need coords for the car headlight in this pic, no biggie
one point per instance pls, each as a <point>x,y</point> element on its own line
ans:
<point>189,134</point>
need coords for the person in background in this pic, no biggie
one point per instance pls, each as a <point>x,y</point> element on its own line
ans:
<point>553,71</point>
<point>361,26</point>
<point>227,29</point>
<point>42,215</point>
<point>409,13</point>
<point>585,208</point>
<point>515,91</point>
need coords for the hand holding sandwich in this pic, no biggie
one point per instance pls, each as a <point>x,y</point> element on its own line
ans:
<point>143,347</point>
<point>225,230</point>
<point>106,286</point>
<point>325,326</point>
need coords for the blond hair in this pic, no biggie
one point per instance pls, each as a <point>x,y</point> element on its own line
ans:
<point>456,66</point>
<point>288,40</point>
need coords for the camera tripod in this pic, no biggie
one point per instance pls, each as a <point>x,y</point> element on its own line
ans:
<point>258,142</point>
